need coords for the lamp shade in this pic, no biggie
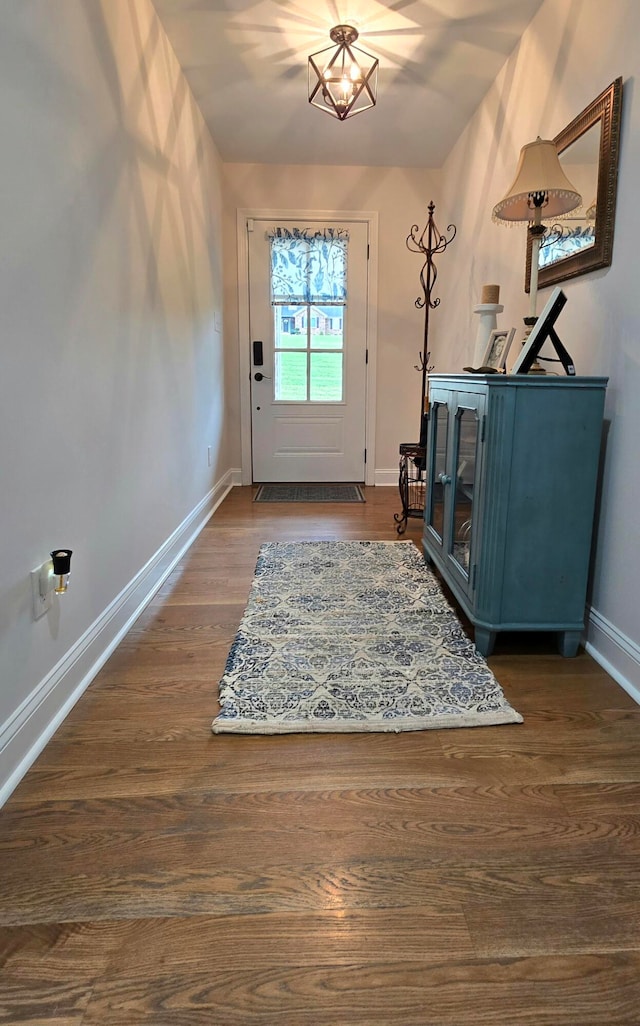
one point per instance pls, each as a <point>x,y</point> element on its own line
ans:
<point>539,182</point>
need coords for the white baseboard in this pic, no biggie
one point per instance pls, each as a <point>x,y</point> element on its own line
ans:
<point>26,733</point>
<point>386,478</point>
<point>615,652</point>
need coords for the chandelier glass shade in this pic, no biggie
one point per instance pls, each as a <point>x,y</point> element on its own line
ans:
<point>343,78</point>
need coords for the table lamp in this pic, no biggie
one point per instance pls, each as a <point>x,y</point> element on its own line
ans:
<point>541,189</point>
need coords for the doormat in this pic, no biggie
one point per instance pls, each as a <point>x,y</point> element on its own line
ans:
<point>309,493</point>
<point>352,636</point>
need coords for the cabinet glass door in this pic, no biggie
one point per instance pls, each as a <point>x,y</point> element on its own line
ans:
<point>440,417</point>
<point>465,467</point>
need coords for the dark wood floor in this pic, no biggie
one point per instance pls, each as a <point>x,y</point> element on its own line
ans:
<point>152,873</point>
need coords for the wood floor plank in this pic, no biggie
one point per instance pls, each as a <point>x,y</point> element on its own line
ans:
<point>308,938</point>
<point>153,873</point>
<point>437,844</point>
<point>132,663</point>
<point>575,991</point>
<point>608,738</point>
<point>601,799</point>
<point>161,618</point>
<point>576,922</point>
<point>36,821</point>
<point>44,1002</point>
<point>154,890</point>
<point>190,765</point>
<point>50,951</point>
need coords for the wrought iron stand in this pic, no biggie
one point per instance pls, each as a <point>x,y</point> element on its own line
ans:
<point>411,482</point>
<point>412,477</point>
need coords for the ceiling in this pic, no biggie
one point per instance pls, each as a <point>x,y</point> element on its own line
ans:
<point>246,62</point>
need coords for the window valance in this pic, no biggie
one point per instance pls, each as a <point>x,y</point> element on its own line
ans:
<point>308,266</point>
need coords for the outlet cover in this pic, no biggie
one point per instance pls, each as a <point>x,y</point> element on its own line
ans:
<point>40,605</point>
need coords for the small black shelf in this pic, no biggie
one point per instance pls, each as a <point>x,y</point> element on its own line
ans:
<point>411,484</point>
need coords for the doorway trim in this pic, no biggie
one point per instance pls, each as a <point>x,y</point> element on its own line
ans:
<point>370,217</point>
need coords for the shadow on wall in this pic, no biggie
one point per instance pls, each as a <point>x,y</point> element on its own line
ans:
<point>113,279</point>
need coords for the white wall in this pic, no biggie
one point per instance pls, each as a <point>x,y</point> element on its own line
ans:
<point>572,50</point>
<point>112,379</point>
<point>400,196</point>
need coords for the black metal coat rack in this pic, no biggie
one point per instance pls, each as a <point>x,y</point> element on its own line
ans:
<point>429,243</point>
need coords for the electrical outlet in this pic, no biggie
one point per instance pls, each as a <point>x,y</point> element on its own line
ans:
<point>209,456</point>
<point>41,603</point>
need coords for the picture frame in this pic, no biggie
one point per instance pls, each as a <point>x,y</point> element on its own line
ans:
<point>498,346</point>
<point>543,331</point>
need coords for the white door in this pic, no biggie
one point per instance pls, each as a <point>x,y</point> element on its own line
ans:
<point>308,366</point>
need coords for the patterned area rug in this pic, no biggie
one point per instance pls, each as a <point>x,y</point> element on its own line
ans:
<point>309,493</point>
<point>352,636</point>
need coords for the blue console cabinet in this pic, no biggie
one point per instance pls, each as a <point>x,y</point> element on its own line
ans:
<point>512,466</point>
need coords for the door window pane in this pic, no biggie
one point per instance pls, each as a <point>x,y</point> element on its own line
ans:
<point>290,382</point>
<point>326,377</point>
<point>309,354</point>
<point>308,270</point>
<point>327,332</point>
<point>291,327</point>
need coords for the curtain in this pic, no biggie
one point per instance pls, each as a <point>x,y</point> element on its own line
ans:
<point>308,266</point>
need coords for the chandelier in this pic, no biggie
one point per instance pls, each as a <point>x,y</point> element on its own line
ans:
<point>343,79</point>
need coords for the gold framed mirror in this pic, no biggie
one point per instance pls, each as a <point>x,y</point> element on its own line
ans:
<point>588,150</point>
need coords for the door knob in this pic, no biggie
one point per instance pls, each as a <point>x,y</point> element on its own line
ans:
<point>445,479</point>
<point>259,376</point>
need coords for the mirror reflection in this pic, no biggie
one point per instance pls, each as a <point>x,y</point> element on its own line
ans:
<point>577,231</point>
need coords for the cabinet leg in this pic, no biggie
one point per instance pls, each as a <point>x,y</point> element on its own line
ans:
<point>568,643</point>
<point>485,640</point>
